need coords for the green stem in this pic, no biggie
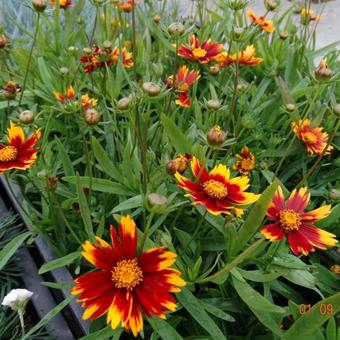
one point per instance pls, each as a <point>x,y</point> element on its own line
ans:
<point>22,322</point>
<point>29,60</point>
<point>146,231</point>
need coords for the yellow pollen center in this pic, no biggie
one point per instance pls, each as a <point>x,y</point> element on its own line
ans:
<point>290,220</point>
<point>215,189</point>
<point>8,154</point>
<point>309,138</point>
<point>199,52</point>
<point>127,274</point>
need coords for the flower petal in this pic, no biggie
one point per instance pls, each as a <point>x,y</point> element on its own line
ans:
<point>317,214</point>
<point>298,200</point>
<point>299,243</point>
<point>273,232</point>
<point>318,237</point>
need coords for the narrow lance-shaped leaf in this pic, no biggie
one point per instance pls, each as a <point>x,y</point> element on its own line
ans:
<point>61,262</point>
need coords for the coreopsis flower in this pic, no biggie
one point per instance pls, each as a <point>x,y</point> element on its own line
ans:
<point>88,102</point>
<point>314,138</point>
<point>290,219</point>
<point>323,71</point>
<point>246,57</point>
<point>19,153</point>
<point>69,95</point>
<point>62,3</point>
<point>266,25</point>
<point>245,162</point>
<point>219,193</point>
<point>17,299</point>
<point>202,52</point>
<point>184,79</point>
<point>307,15</point>
<point>126,5</point>
<point>124,54</point>
<point>126,285</point>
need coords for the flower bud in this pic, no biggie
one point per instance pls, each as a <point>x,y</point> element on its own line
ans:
<point>107,44</point>
<point>214,69</point>
<point>156,203</point>
<point>152,89</point>
<point>73,49</point>
<point>178,164</point>
<point>334,194</point>
<point>92,117</point>
<point>39,5</point>
<point>52,183</point>
<point>237,5</point>
<point>248,122</point>
<point>87,50</point>
<point>335,269</point>
<point>216,136</point>
<point>284,35</point>
<point>323,71</point>
<point>336,109</point>
<point>64,70</point>
<point>124,103</point>
<point>26,117</point>
<point>241,87</point>
<point>213,104</point>
<point>176,29</point>
<point>4,41</point>
<point>10,90</point>
<point>271,5</point>
<point>290,107</point>
<point>237,32</point>
<point>157,18</point>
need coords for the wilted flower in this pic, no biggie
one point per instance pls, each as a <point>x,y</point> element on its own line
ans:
<point>10,90</point>
<point>178,164</point>
<point>323,71</point>
<point>18,153</point>
<point>4,41</point>
<point>126,285</point>
<point>17,299</point>
<point>245,162</point>
<point>213,104</point>
<point>202,52</point>
<point>266,25</point>
<point>62,3</point>
<point>290,219</point>
<point>92,117</point>
<point>216,136</point>
<point>176,29</point>
<point>70,97</point>
<point>314,138</point>
<point>219,193</point>
<point>26,117</point>
<point>52,183</point>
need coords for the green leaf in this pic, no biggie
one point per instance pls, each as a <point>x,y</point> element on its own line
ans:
<point>197,311</point>
<point>67,164</point>
<point>331,329</point>
<point>218,313</point>
<point>11,247</point>
<point>301,277</point>
<point>258,275</point>
<point>104,334</point>
<point>61,262</point>
<point>131,203</point>
<point>50,315</point>
<point>176,136</point>
<point>59,285</point>
<point>84,210</point>
<point>310,322</point>
<point>164,329</point>
<point>254,220</point>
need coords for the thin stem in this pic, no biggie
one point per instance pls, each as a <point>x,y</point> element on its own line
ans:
<point>22,322</point>
<point>146,231</point>
<point>94,27</point>
<point>29,60</point>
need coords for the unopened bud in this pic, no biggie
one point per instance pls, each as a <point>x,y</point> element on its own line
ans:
<point>92,117</point>
<point>290,107</point>
<point>178,164</point>
<point>4,41</point>
<point>237,5</point>
<point>336,109</point>
<point>216,136</point>
<point>156,203</point>
<point>284,35</point>
<point>241,87</point>
<point>214,69</point>
<point>334,194</point>
<point>64,70</point>
<point>176,29</point>
<point>335,269</point>
<point>323,71</point>
<point>238,31</point>
<point>73,49</point>
<point>157,18</point>
<point>213,104</point>
<point>26,117</point>
<point>10,90</point>
<point>87,50</point>
<point>152,89</point>
<point>124,103</point>
<point>271,5</point>
<point>107,44</point>
<point>248,122</point>
<point>39,5</point>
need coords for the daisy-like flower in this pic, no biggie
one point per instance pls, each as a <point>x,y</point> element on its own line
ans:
<point>125,55</point>
<point>62,3</point>
<point>245,162</point>
<point>246,57</point>
<point>126,285</point>
<point>219,193</point>
<point>290,219</point>
<point>314,138</point>
<point>18,153</point>
<point>69,95</point>
<point>266,25</point>
<point>307,15</point>
<point>88,102</point>
<point>184,79</point>
<point>202,52</point>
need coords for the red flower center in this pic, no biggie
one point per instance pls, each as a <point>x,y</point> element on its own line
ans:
<point>290,220</point>
<point>127,274</point>
<point>215,189</point>
<point>8,154</point>
<point>199,52</point>
<point>309,138</point>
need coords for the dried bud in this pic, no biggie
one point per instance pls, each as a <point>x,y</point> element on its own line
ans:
<point>335,269</point>
<point>284,35</point>
<point>107,44</point>
<point>214,69</point>
<point>92,117</point>
<point>124,103</point>
<point>323,71</point>
<point>271,5</point>
<point>52,183</point>
<point>10,90</point>
<point>213,104</point>
<point>178,164</point>
<point>64,70</point>
<point>334,194</point>
<point>26,117</point>
<point>290,107</point>
<point>157,18</point>
<point>176,29</point>
<point>156,203</point>
<point>336,109</point>
<point>248,121</point>
<point>39,5</point>
<point>152,89</point>
<point>216,136</point>
<point>4,41</point>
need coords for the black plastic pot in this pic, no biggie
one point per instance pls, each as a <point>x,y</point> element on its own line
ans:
<point>67,325</point>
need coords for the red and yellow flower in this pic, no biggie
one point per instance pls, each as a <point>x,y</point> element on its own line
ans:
<point>62,3</point>
<point>290,219</point>
<point>126,5</point>
<point>307,15</point>
<point>184,79</point>
<point>219,193</point>
<point>246,57</point>
<point>245,162</point>
<point>102,58</point>
<point>315,138</point>
<point>19,153</point>
<point>70,97</point>
<point>202,52</point>
<point>266,25</point>
<point>126,285</point>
